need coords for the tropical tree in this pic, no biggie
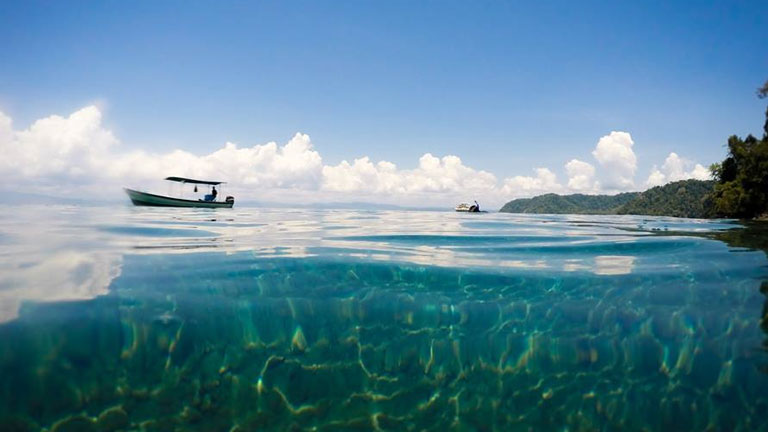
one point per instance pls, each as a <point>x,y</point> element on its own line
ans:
<point>742,178</point>
<point>762,93</point>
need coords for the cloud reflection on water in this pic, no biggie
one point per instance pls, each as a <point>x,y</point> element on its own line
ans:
<point>54,253</point>
<point>614,265</point>
<point>62,276</point>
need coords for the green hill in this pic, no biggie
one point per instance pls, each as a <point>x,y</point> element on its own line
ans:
<point>570,204</point>
<point>684,198</point>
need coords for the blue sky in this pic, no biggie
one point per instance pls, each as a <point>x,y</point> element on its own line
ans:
<point>506,86</point>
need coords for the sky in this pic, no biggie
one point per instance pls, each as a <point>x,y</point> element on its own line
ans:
<point>426,102</point>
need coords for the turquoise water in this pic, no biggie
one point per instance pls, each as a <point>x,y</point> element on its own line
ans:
<point>252,319</point>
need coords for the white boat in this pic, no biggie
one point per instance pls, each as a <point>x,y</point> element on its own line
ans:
<point>139,198</point>
<point>464,207</point>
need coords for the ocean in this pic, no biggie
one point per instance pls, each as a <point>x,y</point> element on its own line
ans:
<point>127,318</point>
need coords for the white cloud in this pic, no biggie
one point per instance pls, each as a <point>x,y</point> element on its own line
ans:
<point>361,176</point>
<point>79,150</point>
<point>80,154</point>
<point>700,172</point>
<point>676,168</point>
<point>6,128</point>
<point>55,146</point>
<point>523,186</point>
<point>656,178</point>
<point>296,164</point>
<point>615,155</point>
<point>434,179</point>
<point>581,176</point>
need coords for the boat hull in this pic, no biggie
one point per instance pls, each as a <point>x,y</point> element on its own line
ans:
<point>152,200</point>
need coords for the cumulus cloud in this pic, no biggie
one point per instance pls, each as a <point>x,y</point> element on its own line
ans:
<point>545,181</point>
<point>615,155</point>
<point>360,176</point>
<point>437,175</point>
<point>56,146</point>
<point>293,165</point>
<point>78,149</point>
<point>581,176</point>
<point>78,152</point>
<point>676,168</point>
<point>6,128</point>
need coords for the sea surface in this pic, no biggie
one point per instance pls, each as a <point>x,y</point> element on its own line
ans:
<point>124,318</point>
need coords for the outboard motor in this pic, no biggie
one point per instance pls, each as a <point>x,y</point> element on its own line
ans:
<point>230,199</point>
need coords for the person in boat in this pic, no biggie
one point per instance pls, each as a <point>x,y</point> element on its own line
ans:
<point>212,195</point>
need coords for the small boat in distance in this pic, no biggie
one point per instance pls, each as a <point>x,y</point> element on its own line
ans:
<point>147,199</point>
<point>464,207</point>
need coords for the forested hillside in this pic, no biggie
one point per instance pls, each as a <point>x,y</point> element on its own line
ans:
<point>686,198</point>
<point>569,204</point>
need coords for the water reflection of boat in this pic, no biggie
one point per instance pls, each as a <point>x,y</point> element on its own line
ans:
<point>147,199</point>
<point>464,207</point>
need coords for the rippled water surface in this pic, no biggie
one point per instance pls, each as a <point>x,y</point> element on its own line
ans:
<point>251,319</point>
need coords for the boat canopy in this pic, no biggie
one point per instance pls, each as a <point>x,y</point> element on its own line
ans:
<point>193,181</point>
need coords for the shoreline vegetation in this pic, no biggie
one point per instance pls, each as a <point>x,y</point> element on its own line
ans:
<point>685,198</point>
<point>739,189</point>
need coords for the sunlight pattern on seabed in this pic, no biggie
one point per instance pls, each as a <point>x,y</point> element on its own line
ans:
<point>252,319</point>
